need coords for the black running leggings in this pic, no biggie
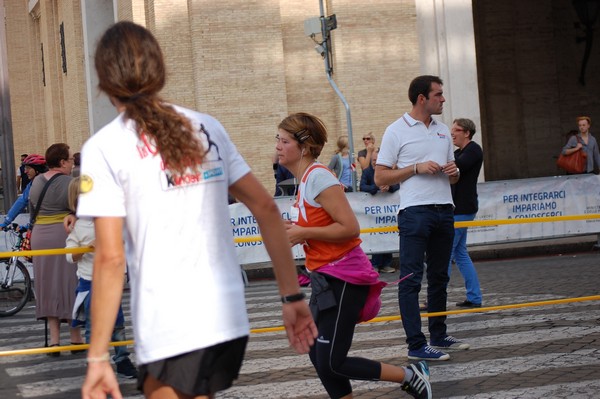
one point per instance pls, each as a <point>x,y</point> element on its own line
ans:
<point>329,354</point>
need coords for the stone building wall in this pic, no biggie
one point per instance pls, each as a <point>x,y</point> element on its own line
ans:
<point>48,102</point>
<point>247,63</point>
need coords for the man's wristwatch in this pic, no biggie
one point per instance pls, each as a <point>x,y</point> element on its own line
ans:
<point>293,298</point>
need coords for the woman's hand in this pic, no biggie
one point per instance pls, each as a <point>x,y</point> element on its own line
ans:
<point>294,232</point>
<point>299,326</point>
<point>69,222</point>
<point>100,381</point>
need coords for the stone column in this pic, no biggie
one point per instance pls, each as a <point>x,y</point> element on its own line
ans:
<point>447,49</point>
<point>97,16</point>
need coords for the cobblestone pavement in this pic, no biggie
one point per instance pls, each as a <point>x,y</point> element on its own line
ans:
<point>530,352</point>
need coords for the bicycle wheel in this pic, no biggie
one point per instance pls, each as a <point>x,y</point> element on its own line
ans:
<point>15,295</point>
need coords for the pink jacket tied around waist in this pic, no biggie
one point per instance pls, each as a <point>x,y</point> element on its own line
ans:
<point>354,267</point>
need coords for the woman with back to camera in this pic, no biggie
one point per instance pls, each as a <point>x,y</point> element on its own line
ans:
<point>584,141</point>
<point>345,288</point>
<point>55,278</point>
<point>162,173</point>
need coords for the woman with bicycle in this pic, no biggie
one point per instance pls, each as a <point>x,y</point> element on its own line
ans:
<point>55,278</point>
<point>34,165</point>
<point>14,276</point>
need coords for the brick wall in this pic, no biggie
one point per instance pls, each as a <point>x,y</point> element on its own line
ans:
<point>48,105</point>
<point>248,63</point>
<point>25,79</point>
<point>76,123</point>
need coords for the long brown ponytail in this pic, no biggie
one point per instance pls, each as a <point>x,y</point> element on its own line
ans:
<point>131,69</point>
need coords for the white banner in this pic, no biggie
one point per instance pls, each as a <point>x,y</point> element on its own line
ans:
<point>510,199</point>
<point>540,197</point>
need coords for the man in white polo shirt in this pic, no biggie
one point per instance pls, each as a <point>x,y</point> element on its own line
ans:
<point>421,149</point>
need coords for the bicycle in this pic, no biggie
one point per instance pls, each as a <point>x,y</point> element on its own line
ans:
<point>15,281</point>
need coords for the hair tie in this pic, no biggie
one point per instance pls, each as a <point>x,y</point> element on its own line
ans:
<point>136,96</point>
<point>132,98</point>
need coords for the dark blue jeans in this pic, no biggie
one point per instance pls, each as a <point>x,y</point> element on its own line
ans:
<point>425,231</point>
<point>118,334</point>
<point>379,261</point>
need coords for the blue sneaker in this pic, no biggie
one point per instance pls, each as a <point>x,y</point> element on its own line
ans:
<point>418,386</point>
<point>450,343</point>
<point>426,352</point>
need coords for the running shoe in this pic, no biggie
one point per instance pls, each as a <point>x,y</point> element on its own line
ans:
<point>387,269</point>
<point>418,386</point>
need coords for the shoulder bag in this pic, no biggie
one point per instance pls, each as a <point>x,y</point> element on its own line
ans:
<point>575,162</point>
<point>26,241</point>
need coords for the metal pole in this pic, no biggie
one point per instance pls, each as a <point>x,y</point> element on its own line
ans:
<point>326,42</point>
<point>7,156</point>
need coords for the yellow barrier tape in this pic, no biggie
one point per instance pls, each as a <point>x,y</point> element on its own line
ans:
<point>35,351</point>
<point>548,219</point>
<point>385,229</point>
<point>451,312</point>
<point>474,223</point>
<point>42,252</point>
<point>38,351</point>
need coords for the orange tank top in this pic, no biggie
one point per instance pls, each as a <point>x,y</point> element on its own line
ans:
<point>319,253</point>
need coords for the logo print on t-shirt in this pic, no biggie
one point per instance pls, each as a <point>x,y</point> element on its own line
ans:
<point>146,146</point>
<point>211,170</point>
<point>85,184</point>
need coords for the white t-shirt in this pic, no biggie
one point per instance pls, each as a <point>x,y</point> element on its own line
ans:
<point>83,235</point>
<point>408,141</point>
<point>187,290</point>
<point>319,180</point>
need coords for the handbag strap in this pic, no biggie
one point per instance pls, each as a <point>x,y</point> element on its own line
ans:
<point>34,214</point>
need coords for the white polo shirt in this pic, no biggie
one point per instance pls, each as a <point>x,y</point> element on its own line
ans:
<point>408,141</point>
<point>187,289</point>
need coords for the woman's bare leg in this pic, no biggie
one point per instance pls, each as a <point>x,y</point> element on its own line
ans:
<point>54,327</point>
<point>391,373</point>
<point>75,332</point>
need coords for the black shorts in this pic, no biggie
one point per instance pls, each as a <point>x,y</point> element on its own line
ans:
<point>201,372</point>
